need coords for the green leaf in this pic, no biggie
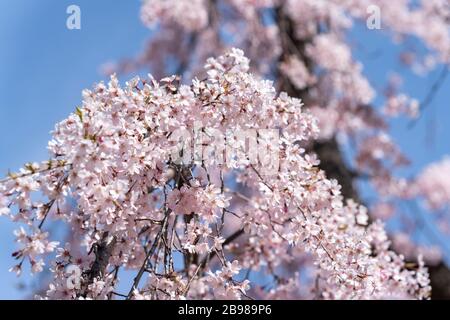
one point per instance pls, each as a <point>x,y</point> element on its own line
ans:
<point>79,113</point>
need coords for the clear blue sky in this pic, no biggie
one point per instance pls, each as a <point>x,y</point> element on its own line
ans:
<point>44,66</point>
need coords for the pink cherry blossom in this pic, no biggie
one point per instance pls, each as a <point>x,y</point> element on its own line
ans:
<point>116,180</point>
<point>136,206</point>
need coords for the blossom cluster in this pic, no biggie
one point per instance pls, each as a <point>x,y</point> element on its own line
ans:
<point>433,184</point>
<point>197,230</point>
<point>307,47</point>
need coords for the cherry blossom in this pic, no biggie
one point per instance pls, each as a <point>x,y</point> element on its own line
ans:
<point>433,184</point>
<point>116,179</point>
<point>139,207</point>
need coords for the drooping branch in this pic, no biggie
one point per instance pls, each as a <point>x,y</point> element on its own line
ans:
<point>329,152</point>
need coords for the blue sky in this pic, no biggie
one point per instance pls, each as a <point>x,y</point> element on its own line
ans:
<point>44,66</point>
